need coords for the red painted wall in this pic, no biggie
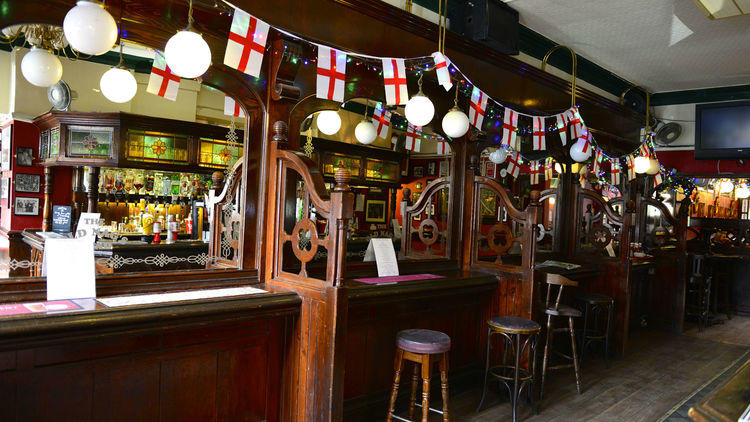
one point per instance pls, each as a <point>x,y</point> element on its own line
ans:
<point>685,162</point>
<point>23,135</point>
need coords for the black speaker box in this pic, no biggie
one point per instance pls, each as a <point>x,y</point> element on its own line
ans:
<point>491,22</point>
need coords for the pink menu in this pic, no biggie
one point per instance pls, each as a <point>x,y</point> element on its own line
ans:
<point>35,307</point>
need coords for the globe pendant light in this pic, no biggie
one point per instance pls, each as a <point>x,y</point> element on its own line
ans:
<point>187,53</point>
<point>653,166</point>
<point>365,131</point>
<point>118,84</point>
<point>41,68</point>
<point>742,192</point>
<point>726,186</point>
<point>419,110</point>
<point>328,122</point>
<point>455,121</point>
<point>577,151</point>
<point>89,28</point>
<point>498,156</point>
<point>641,164</point>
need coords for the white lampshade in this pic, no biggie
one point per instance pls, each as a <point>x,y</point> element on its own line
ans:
<point>365,132</point>
<point>641,164</point>
<point>419,110</point>
<point>118,85</point>
<point>41,68</point>
<point>499,155</point>
<point>89,28</point>
<point>329,122</point>
<point>742,192</point>
<point>576,151</point>
<point>653,166</point>
<point>187,54</point>
<point>558,168</point>
<point>726,186</point>
<point>455,123</point>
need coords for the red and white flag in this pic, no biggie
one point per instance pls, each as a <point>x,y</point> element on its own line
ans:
<point>514,163</point>
<point>477,107</point>
<point>381,118</point>
<point>413,138</point>
<point>536,172</point>
<point>441,70</point>
<point>598,158</point>
<point>394,141</point>
<point>615,172</point>
<point>630,166</point>
<point>231,108</point>
<point>247,43</point>
<point>644,150</point>
<point>162,81</point>
<point>510,126</point>
<point>576,125</point>
<point>540,142</point>
<point>658,180</point>
<point>562,127</point>
<point>331,74</point>
<point>443,147</point>
<point>394,80</point>
<point>549,168</point>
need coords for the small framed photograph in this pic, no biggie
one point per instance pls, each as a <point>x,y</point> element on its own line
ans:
<point>375,211</point>
<point>30,183</point>
<point>431,168</point>
<point>24,156</point>
<point>26,206</point>
<point>418,171</point>
<point>443,168</point>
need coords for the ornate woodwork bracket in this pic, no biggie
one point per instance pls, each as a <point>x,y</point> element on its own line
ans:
<point>284,68</point>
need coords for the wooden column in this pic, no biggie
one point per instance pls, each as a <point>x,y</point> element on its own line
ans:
<point>92,192</point>
<point>47,210</point>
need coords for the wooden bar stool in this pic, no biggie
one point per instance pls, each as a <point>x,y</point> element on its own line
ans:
<point>595,304</point>
<point>425,348</point>
<point>554,310</point>
<point>512,330</point>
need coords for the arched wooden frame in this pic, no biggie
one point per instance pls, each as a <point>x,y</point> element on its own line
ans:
<point>547,195</point>
<point>679,227</point>
<point>606,209</point>
<point>408,212</point>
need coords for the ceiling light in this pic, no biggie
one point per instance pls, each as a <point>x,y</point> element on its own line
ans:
<point>118,84</point>
<point>365,132</point>
<point>577,150</point>
<point>641,164</point>
<point>653,166</point>
<point>89,28</point>
<point>455,123</point>
<point>187,53</point>
<point>41,68</point>
<point>419,109</point>
<point>328,122</point>
<point>499,155</point>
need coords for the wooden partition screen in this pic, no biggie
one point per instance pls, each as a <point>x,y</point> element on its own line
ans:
<point>226,216</point>
<point>426,224</point>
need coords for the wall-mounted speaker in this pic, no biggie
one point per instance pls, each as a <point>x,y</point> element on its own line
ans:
<point>491,22</point>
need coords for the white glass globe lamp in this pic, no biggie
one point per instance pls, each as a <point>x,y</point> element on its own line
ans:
<point>726,186</point>
<point>365,132</point>
<point>187,53</point>
<point>455,123</point>
<point>577,153</point>
<point>118,85</point>
<point>498,156</point>
<point>328,121</point>
<point>742,192</point>
<point>641,164</point>
<point>653,166</point>
<point>89,28</point>
<point>419,110</point>
<point>41,68</point>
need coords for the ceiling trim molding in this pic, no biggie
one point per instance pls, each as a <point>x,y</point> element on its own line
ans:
<point>704,95</point>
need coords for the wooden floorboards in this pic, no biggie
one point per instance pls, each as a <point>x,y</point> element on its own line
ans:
<point>734,331</point>
<point>660,372</point>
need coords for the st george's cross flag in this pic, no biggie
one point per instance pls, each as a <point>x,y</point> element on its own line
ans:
<point>477,107</point>
<point>331,74</point>
<point>658,179</point>
<point>549,168</point>
<point>381,118</point>
<point>615,172</point>
<point>540,142</point>
<point>562,127</point>
<point>394,81</point>
<point>413,138</point>
<point>441,70</point>
<point>644,150</point>
<point>247,43</point>
<point>577,127</point>
<point>630,167</point>
<point>598,158</point>
<point>443,147</point>
<point>510,126</point>
<point>162,81</point>
<point>394,141</point>
<point>231,108</point>
<point>514,164</point>
<point>536,172</point>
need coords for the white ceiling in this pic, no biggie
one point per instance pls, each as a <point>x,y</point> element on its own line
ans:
<point>664,45</point>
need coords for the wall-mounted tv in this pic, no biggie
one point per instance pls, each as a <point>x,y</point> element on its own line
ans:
<point>722,130</point>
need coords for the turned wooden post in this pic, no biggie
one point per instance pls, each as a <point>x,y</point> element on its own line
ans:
<point>47,210</point>
<point>342,209</point>
<point>92,193</point>
<point>405,223</point>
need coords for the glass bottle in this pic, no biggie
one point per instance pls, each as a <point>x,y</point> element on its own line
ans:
<point>129,180</point>
<point>139,181</point>
<point>158,183</point>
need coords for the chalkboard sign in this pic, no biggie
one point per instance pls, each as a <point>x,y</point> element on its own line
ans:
<point>61,219</point>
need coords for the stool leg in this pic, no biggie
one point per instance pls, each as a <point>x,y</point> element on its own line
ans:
<point>610,311</point>
<point>413,397</point>
<point>532,381</point>
<point>546,355</point>
<point>397,366</point>
<point>426,368</point>
<point>486,370</point>
<point>516,371</point>
<point>444,384</point>
<point>585,332</point>
<point>575,354</point>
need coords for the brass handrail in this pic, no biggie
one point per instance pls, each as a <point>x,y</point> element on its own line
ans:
<point>648,104</point>
<point>574,70</point>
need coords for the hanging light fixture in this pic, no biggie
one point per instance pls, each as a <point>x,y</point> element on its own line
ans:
<point>726,186</point>
<point>365,131</point>
<point>89,28</point>
<point>641,164</point>
<point>419,109</point>
<point>653,166</point>
<point>742,192</point>
<point>455,121</point>
<point>328,121</point>
<point>577,151</point>
<point>187,53</point>
<point>499,155</point>
<point>40,66</point>
<point>118,84</point>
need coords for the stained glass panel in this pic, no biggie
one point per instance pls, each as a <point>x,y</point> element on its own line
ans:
<point>155,147</point>
<point>90,141</point>
<point>218,153</point>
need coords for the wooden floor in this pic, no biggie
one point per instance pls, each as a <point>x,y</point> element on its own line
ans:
<point>660,372</point>
<point>734,331</point>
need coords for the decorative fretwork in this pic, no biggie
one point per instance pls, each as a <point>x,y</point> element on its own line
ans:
<point>426,223</point>
<point>159,261</point>
<point>225,214</point>
<point>599,224</point>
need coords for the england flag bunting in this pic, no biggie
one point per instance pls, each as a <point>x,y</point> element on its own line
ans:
<point>658,179</point>
<point>443,147</point>
<point>598,158</point>
<point>574,119</point>
<point>514,163</point>
<point>381,118</point>
<point>162,81</point>
<point>630,167</point>
<point>331,74</point>
<point>540,143</point>
<point>441,69</point>
<point>477,107</point>
<point>413,138</point>
<point>536,172</point>
<point>562,128</point>
<point>644,150</point>
<point>394,141</point>
<point>549,168</point>
<point>231,108</point>
<point>394,80</point>
<point>247,43</point>
<point>615,172</point>
<point>510,126</point>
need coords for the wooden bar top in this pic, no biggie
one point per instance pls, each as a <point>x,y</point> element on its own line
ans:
<point>455,279</point>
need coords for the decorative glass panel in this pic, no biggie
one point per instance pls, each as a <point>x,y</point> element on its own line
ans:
<point>336,161</point>
<point>155,147</point>
<point>44,145</point>
<point>218,153</point>
<point>382,170</point>
<point>54,141</point>
<point>90,141</point>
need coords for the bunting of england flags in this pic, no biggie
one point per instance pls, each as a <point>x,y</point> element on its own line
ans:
<point>331,74</point>
<point>162,81</point>
<point>574,119</point>
<point>658,179</point>
<point>644,150</point>
<point>413,138</point>
<point>247,43</point>
<point>394,141</point>
<point>630,167</point>
<point>536,172</point>
<point>443,147</point>
<point>549,168</point>
<point>477,107</point>
<point>562,128</point>
<point>231,108</point>
<point>394,80</point>
<point>441,70</point>
<point>510,126</point>
<point>540,142</point>
<point>615,172</point>
<point>514,164</point>
<point>381,118</point>
<point>598,158</point>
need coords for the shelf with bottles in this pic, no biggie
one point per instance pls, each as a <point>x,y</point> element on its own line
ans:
<point>143,217</point>
<point>126,184</point>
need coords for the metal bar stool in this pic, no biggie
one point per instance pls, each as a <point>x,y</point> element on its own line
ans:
<point>595,304</point>
<point>511,330</point>
<point>425,348</point>
<point>554,310</point>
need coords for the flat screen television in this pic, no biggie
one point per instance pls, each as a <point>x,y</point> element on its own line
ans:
<point>722,130</point>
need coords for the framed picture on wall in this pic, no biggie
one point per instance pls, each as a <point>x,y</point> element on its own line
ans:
<point>26,206</point>
<point>30,183</point>
<point>443,168</point>
<point>375,211</point>
<point>418,171</point>
<point>24,156</point>
<point>431,168</point>
<point>5,148</point>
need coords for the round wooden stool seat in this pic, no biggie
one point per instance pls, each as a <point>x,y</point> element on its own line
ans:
<point>513,325</point>
<point>563,310</point>
<point>595,298</point>
<point>423,341</point>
